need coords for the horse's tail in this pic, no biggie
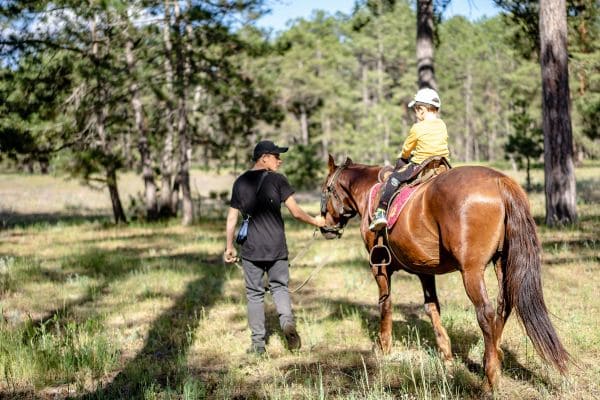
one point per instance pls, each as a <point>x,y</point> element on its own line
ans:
<point>522,275</point>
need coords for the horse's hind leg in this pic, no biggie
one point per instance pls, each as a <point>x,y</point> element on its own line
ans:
<point>503,307</point>
<point>475,286</point>
<point>383,277</point>
<point>432,308</point>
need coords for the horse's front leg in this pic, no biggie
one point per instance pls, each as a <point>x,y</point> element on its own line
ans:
<point>383,277</point>
<point>432,308</point>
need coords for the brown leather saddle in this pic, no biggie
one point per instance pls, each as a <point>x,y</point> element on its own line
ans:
<point>428,169</point>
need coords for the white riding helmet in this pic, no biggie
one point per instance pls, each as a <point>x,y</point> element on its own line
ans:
<point>427,96</point>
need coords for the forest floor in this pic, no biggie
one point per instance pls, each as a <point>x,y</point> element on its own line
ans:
<point>148,310</point>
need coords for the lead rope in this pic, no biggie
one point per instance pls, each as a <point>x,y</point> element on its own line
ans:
<point>293,262</point>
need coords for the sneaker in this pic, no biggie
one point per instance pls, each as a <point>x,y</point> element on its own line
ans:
<point>291,337</point>
<point>379,220</point>
<point>256,350</point>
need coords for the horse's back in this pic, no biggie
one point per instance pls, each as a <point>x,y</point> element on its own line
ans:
<point>466,179</point>
<point>462,210</point>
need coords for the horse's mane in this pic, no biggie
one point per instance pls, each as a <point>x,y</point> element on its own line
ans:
<point>360,172</point>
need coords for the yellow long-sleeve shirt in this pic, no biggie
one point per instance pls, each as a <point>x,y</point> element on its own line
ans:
<point>426,139</point>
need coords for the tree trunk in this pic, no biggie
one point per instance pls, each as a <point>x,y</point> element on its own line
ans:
<point>44,163</point>
<point>183,72</point>
<point>127,146</point>
<point>364,85</point>
<point>100,113</point>
<point>425,70</point>
<point>115,200</point>
<point>494,129</point>
<point>304,124</point>
<point>166,168</point>
<point>142,132</point>
<point>559,171</point>
<point>326,136</point>
<point>166,208</point>
<point>175,195</point>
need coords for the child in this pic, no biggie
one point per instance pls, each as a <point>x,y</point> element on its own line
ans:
<point>427,138</point>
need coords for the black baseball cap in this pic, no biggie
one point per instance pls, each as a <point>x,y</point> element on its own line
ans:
<point>267,147</point>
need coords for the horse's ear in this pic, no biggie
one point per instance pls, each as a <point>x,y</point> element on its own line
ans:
<point>331,164</point>
<point>348,161</point>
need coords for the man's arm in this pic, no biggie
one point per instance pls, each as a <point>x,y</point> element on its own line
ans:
<point>300,215</point>
<point>232,218</point>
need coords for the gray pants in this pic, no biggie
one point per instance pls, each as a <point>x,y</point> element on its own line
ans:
<point>279,275</point>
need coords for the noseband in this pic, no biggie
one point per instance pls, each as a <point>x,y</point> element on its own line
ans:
<point>338,203</point>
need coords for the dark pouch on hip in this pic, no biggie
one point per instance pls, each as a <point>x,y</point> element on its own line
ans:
<point>242,234</point>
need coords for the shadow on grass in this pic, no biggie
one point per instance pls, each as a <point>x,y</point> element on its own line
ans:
<point>571,244</point>
<point>580,226</point>
<point>571,260</point>
<point>580,251</point>
<point>13,219</point>
<point>515,370</point>
<point>415,322</point>
<point>162,361</point>
<point>106,266</point>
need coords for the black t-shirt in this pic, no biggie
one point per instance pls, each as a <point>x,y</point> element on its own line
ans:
<point>266,237</point>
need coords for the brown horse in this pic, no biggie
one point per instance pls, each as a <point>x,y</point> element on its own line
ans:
<point>461,220</point>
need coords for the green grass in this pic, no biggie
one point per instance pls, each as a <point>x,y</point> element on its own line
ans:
<point>149,311</point>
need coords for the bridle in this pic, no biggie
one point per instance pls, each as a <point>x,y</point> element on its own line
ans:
<point>328,193</point>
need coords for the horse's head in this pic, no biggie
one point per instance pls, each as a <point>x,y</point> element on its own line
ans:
<point>336,205</point>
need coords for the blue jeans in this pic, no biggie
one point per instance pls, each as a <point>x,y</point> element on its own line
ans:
<point>279,275</point>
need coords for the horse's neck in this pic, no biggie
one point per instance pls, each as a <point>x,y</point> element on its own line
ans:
<point>363,180</point>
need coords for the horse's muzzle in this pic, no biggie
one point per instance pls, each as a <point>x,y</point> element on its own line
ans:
<point>332,232</point>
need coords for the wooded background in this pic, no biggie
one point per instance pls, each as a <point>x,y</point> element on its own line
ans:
<point>98,87</point>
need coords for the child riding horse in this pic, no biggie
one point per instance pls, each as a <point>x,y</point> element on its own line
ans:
<point>459,221</point>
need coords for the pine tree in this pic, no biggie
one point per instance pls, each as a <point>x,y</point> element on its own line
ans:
<point>558,138</point>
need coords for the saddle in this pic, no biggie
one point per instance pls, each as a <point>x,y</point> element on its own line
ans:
<point>429,168</point>
<point>426,171</point>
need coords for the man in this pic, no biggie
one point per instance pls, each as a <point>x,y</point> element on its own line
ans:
<point>258,193</point>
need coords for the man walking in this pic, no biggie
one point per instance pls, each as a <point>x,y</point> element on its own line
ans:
<point>258,194</point>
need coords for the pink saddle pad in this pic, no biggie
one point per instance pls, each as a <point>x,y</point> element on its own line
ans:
<point>394,209</point>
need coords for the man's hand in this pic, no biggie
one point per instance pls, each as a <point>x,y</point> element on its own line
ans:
<point>230,255</point>
<point>319,221</point>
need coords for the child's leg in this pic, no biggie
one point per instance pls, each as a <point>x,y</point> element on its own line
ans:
<point>392,183</point>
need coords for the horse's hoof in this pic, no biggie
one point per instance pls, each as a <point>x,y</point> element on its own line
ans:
<point>385,347</point>
<point>448,364</point>
<point>376,349</point>
<point>487,391</point>
<point>446,356</point>
<point>449,369</point>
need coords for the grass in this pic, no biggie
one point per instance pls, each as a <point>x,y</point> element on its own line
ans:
<point>148,311</point>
